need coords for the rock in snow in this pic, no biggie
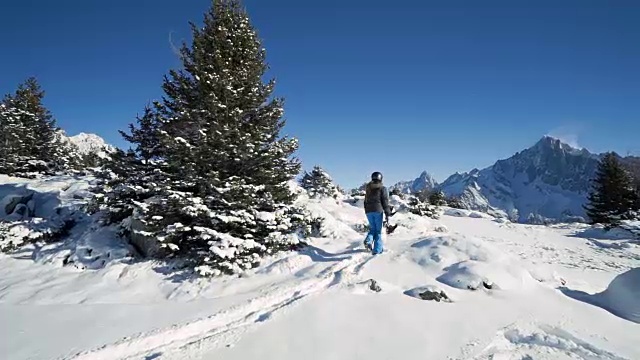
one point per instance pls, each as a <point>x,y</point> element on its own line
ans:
<point>429,293</point>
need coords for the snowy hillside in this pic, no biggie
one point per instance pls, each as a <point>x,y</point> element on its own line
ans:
<point>547,181</point>
<point>422,182</point>
<point>91,143</point>
<point>512,291</point>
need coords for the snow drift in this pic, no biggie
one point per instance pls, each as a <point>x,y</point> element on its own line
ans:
<point>621,298</point>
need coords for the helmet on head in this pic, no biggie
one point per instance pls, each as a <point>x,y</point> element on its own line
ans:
<point>376,176</point>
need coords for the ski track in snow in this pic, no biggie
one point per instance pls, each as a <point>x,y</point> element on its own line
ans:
<point>226,327</point>
<point>540,341</point>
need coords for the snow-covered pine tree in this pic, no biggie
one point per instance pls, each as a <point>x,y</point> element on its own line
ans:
<point>128,179</point>
<point>146,136</point>
<point>319,184</point>
<point>11,147</point>
<point>37,146</point>
<point>437,198</point>
<point>226,199</point>
<point>613,197</point>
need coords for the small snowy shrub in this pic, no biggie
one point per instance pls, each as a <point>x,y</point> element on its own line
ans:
<point>418,207</point>
<point>14,235</point>
<point>362,228</point>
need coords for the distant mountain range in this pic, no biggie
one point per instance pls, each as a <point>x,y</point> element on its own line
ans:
<point>549,181</point>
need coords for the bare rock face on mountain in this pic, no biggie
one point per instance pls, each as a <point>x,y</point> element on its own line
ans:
<point>422,182</point>
<point>545,183</point>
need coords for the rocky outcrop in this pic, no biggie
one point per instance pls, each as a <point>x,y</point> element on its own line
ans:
<point>146,245</point>
<point>18,205</point>
<point>429,293</point>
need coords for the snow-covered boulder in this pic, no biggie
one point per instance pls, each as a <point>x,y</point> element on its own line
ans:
<point>470,263</point>
<point>474,275</point>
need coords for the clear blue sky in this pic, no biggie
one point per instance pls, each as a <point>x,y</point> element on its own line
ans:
<point>395,86</point>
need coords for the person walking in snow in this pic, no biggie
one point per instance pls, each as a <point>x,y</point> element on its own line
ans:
<point>376,205</point>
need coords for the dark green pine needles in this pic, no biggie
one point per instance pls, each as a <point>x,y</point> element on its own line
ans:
<point>210,170</point>
<point>613,197</point>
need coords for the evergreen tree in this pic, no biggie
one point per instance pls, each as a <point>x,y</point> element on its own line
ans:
<point>613,197</point>
<point>437,198</point>
<point>319,184</point>
<point>37,120</point>
<point>11,147</point>
<point>146,136</point>
<point>223,198</point>
<point>129,179</point>
<point>32,139</point>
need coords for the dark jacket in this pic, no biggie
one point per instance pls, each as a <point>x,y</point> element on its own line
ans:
<point>376,198</point>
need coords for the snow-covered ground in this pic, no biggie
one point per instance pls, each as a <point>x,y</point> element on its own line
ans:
<point>517,292</point>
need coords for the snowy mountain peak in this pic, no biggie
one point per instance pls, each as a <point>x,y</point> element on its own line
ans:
<point>549,180</point>
<point>553,143</point>
<point>422,182</point>
<point>91,143</point>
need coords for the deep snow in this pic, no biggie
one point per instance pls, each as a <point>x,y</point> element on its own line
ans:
<point>317,303</point>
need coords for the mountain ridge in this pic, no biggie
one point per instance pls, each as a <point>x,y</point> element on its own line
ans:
<point>422,182</point>
<point>546,182</point>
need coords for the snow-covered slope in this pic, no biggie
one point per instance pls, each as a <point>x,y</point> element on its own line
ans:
<point>512,289</point>
<point>422,182</point>
<point>547,181</point>
<point>91,143</point>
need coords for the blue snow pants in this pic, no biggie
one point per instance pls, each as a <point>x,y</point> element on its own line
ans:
<point>375,231</point>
